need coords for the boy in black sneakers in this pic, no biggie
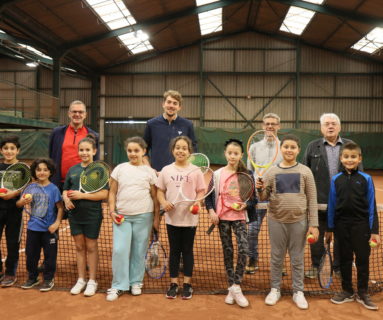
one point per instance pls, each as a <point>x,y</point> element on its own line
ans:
<point>352,216</point>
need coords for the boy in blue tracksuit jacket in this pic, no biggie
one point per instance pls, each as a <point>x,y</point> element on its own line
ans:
<point>352,216</point>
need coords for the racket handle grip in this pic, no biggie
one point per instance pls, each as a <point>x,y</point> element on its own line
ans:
<point>211,228</point>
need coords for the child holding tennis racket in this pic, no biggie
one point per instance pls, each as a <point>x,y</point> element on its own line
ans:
<point>42,200</point>
<point>10,215</point>
<point>232,180</point>
<point>85,216</point>
<point>132,195</point>
<point>352,216</point>
<point>293,214</point>
<point>180,223</point>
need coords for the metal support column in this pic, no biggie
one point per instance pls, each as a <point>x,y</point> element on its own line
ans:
<point>56,83</point>
<point>298,86</point>
<point>94,107</point>
<point>201,88</point>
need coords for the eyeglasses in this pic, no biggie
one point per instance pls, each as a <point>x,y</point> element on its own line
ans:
<point>270,124</point>
<point>79,111</point>
<point>327,124</point>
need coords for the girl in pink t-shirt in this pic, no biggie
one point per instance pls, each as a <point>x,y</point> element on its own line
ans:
<point>180,223</point>
<point>231,219</point>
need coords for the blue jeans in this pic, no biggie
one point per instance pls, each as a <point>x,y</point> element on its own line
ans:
<point>253,232</point>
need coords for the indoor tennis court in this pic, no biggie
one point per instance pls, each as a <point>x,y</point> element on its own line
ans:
<point>233,61</point>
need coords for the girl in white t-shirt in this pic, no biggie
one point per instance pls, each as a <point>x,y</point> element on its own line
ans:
<point>133,195</point>
<point>180,223</point>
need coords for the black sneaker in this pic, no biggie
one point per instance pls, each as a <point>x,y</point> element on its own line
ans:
<point>8,281</point>
<point>187,291</point>
<point>365,300</point>
<point>47,285</point>
<point>172,292</point>
<point>30,283</point>
<point>342,297</point>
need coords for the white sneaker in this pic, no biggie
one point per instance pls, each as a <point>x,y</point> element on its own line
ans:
<point>113,294</point>
<point>300,300</point>
<point>273,297</point>
<point>91,288</point>
<point>238,296</point>
<point>78,287</point>
<point>136,289</point>
<point>229,298</point>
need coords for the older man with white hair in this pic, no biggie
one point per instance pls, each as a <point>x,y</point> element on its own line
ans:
<point>322,157</point>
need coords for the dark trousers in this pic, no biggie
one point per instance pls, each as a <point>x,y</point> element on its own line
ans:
<point>234,276</point>
<point>48,242</point>
<point>353,239</point>
<point>317,249</point>
<point>10,220</point>
<point>181,241</point>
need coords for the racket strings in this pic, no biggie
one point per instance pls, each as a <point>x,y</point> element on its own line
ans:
<point>16,176</point>
<point>94,177</point>
<point>40,201</point>
<point>155,262</point>
<point>189,184</point>
<point>325,271</point>
<point>199,160</point>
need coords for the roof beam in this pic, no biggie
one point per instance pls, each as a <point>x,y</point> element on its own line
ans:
<point>151,22</point>
<point>333,11</point>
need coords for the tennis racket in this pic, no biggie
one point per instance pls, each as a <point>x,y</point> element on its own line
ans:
<point>94,177</point>
<point>199,160</point>
<point>38,208</point>
<point>262,151</point>
<point>325,269</point>
<point>188,189</point>
<point>155,258</point>
<point>237,189</point>
<point>15,177</point>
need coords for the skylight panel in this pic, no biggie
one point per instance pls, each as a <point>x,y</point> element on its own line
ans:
<point>113,13</point>
<point>297,19</point>
<point>210,21</point>
<point>137,41</point>
<point>371,42</point>
<point>35,51</point>
<point>202,2</point>
<point>116,15</point>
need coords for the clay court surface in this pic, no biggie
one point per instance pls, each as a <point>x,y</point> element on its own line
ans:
<point>59,304</point>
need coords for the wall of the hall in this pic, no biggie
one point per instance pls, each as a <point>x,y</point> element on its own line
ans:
<point>249,69</point>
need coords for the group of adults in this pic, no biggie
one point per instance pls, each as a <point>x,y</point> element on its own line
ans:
<point>321,156</point>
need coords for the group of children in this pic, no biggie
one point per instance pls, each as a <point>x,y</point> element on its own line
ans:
<point>137,193</point>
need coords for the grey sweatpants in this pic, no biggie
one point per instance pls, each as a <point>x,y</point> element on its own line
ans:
<point>291,237</point>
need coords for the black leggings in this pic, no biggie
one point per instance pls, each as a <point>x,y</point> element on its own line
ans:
<point>181,240</point>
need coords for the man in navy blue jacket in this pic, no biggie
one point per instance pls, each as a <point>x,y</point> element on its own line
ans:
<point>161,130</point>
<point>63,142</point>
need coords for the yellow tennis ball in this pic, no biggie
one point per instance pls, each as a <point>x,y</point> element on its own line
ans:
<point>27,196</point>
<point>93,175</point>
<point>373,243</point>
<point>235,206</point>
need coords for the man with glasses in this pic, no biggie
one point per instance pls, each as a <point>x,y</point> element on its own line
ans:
<point>322,157</point>
<point>271,123</point>
<point>63,142</point>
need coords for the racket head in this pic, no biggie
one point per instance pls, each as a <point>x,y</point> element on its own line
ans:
<point>16,176</point>
<point>155,259</point>
<point>199,160</point>
<point>237,188</point>
<point>189,184</point>
<point>325,269</point>
<point>262,161</point>
<point>95,177</point>
<point>40,201</point>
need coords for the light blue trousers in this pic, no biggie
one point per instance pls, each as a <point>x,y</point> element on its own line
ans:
<point>130,242</point>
